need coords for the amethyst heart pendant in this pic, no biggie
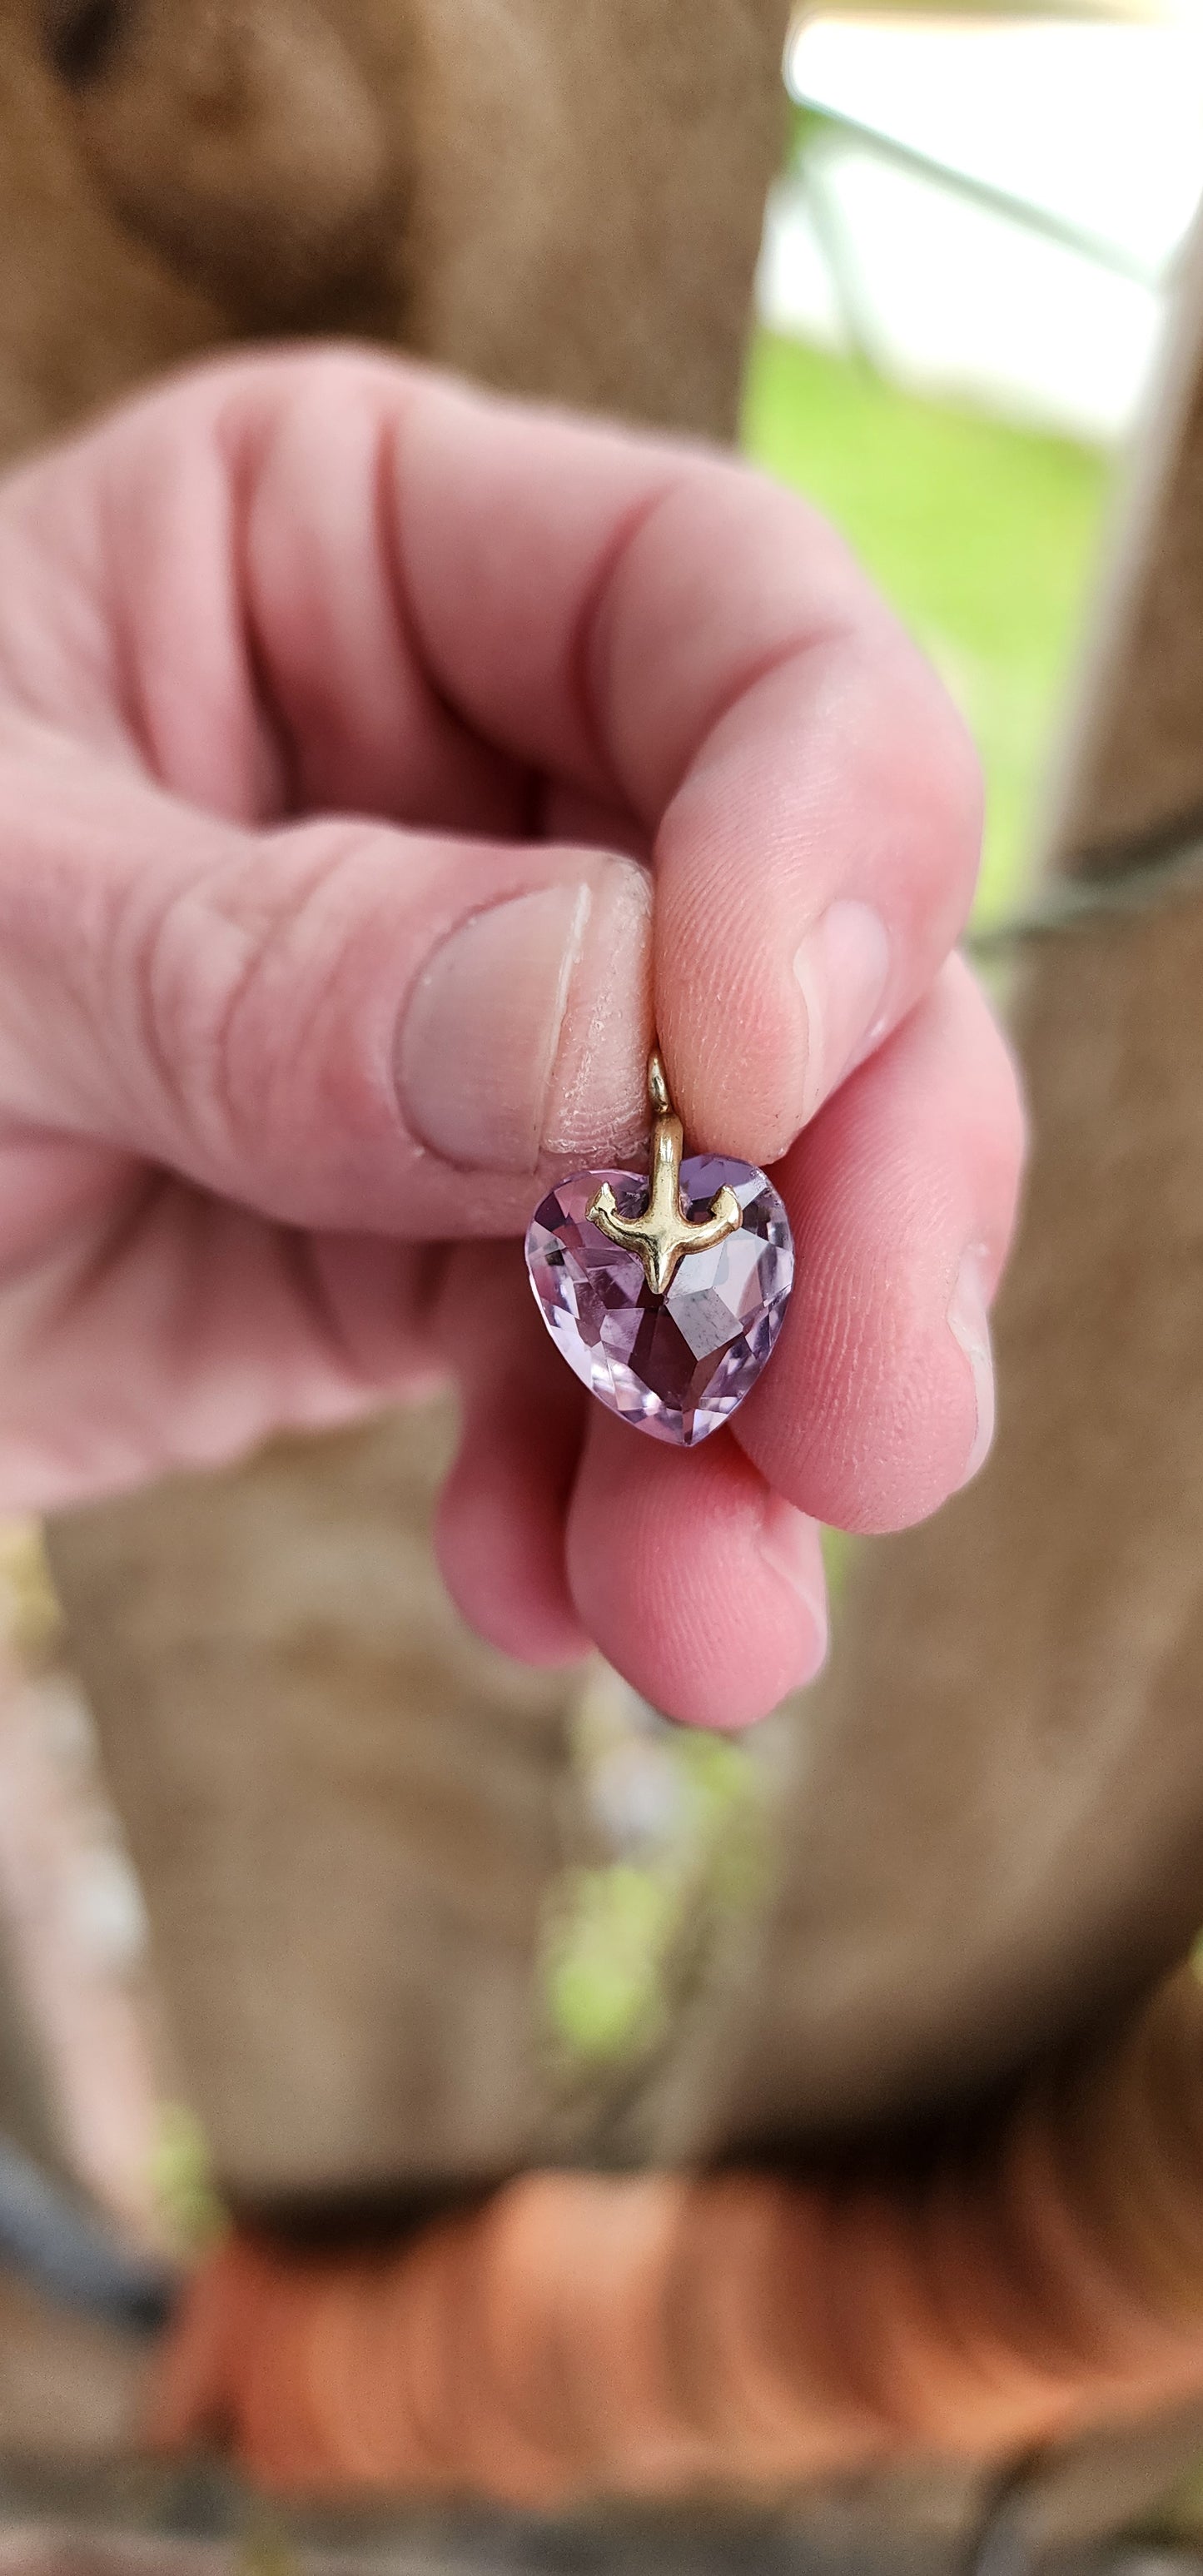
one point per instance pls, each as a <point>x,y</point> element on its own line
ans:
<point>666,1291</point>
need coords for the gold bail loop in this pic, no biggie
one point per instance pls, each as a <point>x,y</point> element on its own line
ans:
<point>657,1086</point>
<point>663,1235</point>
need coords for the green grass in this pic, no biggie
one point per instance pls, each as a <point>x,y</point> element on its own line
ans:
<point>613,1934</point>
<point>982,535</point>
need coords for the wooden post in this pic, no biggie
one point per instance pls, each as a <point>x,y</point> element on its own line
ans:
<point>995,1827</point>
<point>345,1814</point>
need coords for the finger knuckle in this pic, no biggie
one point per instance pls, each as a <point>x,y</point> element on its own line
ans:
<point>249,983</point>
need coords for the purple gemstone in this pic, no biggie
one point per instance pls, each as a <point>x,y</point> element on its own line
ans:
<point>679,1365</point>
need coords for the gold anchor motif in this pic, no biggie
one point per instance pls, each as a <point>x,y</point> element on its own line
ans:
<point>664,1234</point>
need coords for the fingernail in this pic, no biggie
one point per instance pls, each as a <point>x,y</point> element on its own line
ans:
<point>842,966</point>
<point>970,1327</point>
<point>787,1547</point>
<point>528,1029</point>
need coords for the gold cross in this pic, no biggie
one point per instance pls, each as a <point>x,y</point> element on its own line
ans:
<point>664,1234</point>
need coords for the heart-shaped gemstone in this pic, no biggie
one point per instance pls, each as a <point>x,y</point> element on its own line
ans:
<point>675,1365</point>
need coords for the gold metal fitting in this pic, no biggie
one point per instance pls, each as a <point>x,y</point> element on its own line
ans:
<point>663,1235</point>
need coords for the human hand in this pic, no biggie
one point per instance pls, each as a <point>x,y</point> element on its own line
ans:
<point>346,721</point>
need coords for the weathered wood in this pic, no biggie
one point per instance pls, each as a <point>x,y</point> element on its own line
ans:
<point>71,1919</point>
<point>48,1969</point>
<point>995,1831</point>
<point>343,1810</point>
<point>560,197</point>
<point>71,2390</point>
<point>28,2111</point>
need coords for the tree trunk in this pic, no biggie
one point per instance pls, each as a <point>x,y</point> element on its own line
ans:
<point>343,1810</point>
<point>995,1828</point>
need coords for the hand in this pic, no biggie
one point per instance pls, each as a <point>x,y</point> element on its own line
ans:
<point>347,720</point>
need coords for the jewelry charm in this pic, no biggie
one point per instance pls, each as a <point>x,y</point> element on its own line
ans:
<point>666,1291</point>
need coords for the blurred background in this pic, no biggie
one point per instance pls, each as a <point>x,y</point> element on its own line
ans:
<point>961,292</point>
<point>963,278</point>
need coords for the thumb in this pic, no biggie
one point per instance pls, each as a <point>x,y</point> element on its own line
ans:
<point>339,1024</point>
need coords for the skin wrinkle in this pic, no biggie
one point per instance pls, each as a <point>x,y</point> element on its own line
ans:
<point>155,978</point>
<point>358,1087</point>
<point>237,1100</point>
<point>252,469</point>
<point>117,674</point>
<point>772,664</point>
<point>329,1393</point>
<point>301,1270</point>
<point>274,970</point>
<point>706,721</point>
<point>256,496</point>
<point>404,511</point>
<point>507,782</point>
<point>93,711</point>
<point>386,1313</point>
<point>276,798</point>
<point>246,442</point>
<point>581,648</point>
<point>388,519</point>
<point>118,943</point>
<point>276,767</point>
<point>99,1262</point>
<point>910,818</point>
<point>118,539</point>
<point>588,681</point>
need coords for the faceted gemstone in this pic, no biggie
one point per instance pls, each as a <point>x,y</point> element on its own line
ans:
<point>678,1365</point>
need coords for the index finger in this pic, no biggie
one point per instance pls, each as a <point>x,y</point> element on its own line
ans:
<point>440,602</point>
<point>678,635</point>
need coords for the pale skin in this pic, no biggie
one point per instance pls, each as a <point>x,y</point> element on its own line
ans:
<point>349,724</point>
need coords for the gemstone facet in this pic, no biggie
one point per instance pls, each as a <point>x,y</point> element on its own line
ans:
<point>676,1365</point>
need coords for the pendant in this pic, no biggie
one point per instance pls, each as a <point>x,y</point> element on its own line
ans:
<point>665,1291</point>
